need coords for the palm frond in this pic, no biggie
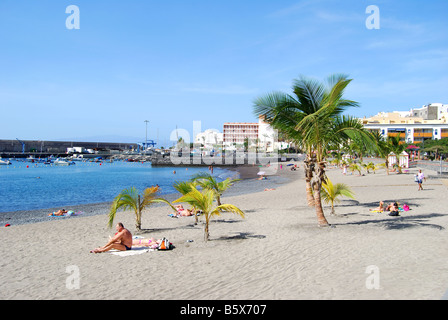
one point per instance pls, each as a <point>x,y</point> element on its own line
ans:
<point>330,193</point>
<point>126,199</point>
<point>184,186</point>
<point>228,208</point>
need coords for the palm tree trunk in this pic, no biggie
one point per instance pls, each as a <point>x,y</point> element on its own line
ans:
<point>309,165</point>
<point>195,216</point>
<point>318,178</point>
<point>138,218</point>
<point>206,233</point>
<point>321,220</point>
<point>309,194</point>
<point>138,223</point>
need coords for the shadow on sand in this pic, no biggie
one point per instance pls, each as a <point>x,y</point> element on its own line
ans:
<point>400,222</point>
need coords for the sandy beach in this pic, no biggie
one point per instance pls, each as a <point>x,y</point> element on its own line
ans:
<point>276,252</point>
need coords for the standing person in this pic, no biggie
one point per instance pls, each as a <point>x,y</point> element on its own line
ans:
<point>121,241</point>
<point>420,177</point>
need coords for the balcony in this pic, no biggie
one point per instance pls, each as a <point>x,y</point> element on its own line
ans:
<point>423,135</point>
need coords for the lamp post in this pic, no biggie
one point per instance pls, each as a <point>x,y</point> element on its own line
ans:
<point>146,137</point>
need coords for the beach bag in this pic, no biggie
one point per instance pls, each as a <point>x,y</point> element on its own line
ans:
<point>405,207</point>
<point>164,245</point>
<point>416,178</point>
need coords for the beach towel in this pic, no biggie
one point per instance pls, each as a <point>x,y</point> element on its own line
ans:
<point>377,211</point>
<point>132,252</point>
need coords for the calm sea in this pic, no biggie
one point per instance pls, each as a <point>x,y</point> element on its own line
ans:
<point>41,186</point>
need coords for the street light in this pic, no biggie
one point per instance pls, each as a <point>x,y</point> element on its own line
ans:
<point>146,138</point>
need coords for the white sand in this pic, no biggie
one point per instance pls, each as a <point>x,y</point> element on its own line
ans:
<point>277,252</point>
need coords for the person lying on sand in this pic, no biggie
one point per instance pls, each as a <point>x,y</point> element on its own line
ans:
<point>151,242</point>
<point>392,207</point>
<point>270,189</point>
<point>181,211</point>
<point>60,212</point>
<point>121,241</point>
<point>394,210</point>
<point>380,208</point>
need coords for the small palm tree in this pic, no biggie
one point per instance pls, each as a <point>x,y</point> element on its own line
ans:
<point>370,166</point>
<point>355,167</point>
<point>131,199</point>
<point>330,193</point>
<point>207,181</point>
<point>184,187</point>
<point>204,201</point>
<point>381,166</point>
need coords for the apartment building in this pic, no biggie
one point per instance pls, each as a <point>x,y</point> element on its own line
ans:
<point>238,132</point>
<point>415,126</point>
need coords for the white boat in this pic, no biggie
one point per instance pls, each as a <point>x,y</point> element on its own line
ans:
<point>59,162</point>
<point>3,162</point>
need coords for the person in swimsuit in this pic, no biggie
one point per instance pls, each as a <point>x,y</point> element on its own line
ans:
<point>151,243</point>
<point>58,213</point>
<point>181,211</point>
<point>121,241</point>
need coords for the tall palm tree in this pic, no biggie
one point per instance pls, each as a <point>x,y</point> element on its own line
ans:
<point>314,120</point>
<point>131,199</point>
<point>207,181</point>
<point>331,193</point>
<point>204,202</point>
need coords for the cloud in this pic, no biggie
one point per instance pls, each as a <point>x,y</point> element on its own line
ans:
<point>294,9</point>
<point>225,90</point>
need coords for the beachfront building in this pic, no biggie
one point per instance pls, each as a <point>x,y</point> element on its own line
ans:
<point>260,135</point>
<point>236,133</point>
<point>209,138</point>
<point>414,126</point>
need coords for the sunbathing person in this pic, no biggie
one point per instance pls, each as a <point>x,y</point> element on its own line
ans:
<point>60,212</point>
<point>122,240</point>
<point>391,206</point>
<point>151,242</point>
<point>380,208</point>
<point>394,211</point>
<point>181,211</point>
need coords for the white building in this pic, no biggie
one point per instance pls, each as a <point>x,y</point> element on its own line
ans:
<point>235,134</point>
<point>266,136</point>
<point>432,111</point>
<point>209,138</point>
<point>415,126</point>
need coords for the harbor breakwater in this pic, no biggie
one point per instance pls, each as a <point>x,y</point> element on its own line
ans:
<point>227,159</point>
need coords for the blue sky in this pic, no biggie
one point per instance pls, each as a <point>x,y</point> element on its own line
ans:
<point>175,62</point>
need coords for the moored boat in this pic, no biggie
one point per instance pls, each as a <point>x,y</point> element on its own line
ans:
<point>4,162</point>
<point>60,162</point>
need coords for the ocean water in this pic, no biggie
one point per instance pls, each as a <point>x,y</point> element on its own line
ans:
<point>29,186</point>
